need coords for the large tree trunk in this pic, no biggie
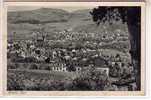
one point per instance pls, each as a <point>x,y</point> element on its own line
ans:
<point>134,27</point>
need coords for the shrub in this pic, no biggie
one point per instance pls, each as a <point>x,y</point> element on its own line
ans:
<point>33,66</point>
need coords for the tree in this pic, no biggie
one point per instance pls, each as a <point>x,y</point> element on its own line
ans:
<point>92,79</point>
<point>132,17</point>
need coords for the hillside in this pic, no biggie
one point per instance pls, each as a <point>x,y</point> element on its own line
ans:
<point>39,16</point>
<point>54,20</point>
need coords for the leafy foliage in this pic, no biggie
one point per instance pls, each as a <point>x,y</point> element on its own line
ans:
<point>102,14</point>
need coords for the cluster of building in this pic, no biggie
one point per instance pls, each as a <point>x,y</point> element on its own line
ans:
<point>70,58</point>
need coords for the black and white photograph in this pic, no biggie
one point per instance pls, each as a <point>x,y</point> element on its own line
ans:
<point>74,48</point>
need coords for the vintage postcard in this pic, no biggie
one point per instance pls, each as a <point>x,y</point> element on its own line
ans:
<point>73,49</point>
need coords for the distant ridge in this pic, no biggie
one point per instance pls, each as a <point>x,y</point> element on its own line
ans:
<point>42,15</point>
<point>55,20</point>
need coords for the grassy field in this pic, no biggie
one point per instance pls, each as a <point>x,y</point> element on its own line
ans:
<point>55,75</point>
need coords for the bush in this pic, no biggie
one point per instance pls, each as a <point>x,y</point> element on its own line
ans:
<point>33,66</point>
